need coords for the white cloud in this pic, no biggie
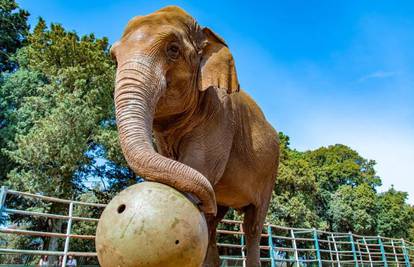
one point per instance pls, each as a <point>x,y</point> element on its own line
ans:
<point>378,75</point>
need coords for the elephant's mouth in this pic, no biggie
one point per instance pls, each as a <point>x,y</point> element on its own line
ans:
<point>139,85</point>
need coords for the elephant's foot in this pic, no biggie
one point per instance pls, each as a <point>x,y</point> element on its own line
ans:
<point>252,263</point>
<point>213,262</point>
<point>212,258</point>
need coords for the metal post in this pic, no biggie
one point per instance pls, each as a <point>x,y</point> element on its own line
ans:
<point>406,257</point>
<point>271,248</point>
<point>336,250</point>
<point>330,251</point>
<point>243,245</point>
<point>361,260</point>
<point>3,193</point>
<point>318,252</point>
<point>369,252</point>
<point>384,257</point>
<point>395,253</point>
<point>351,239</point>
<point>295,247</point>
<point>68,230</point>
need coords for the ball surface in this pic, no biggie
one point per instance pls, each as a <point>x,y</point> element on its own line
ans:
<point>151,224</point>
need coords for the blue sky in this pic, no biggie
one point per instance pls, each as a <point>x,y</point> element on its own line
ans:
<point>324,72</point>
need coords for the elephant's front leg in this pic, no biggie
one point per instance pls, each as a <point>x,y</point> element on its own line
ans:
<point>212,257</point>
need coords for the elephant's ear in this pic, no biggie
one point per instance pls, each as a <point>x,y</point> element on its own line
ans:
<point>217,64</point>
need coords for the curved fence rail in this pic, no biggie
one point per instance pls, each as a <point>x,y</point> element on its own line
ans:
<point>280,246</point>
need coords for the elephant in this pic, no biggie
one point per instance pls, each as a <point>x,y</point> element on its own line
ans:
<point>176,82</point>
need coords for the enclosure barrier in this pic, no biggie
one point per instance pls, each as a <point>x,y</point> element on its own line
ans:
<point>279,246</point>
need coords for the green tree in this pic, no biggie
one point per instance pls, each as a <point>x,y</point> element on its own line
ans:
<point>332,188</point>
<point>411,228</point>
<point>335,166</point>
<point>63,114</point>
<point>295,193</point>
<point>395,216</point>
<point>59,112</point>
<point>18,114</point>
<point>13,32</point>
<point>338,165</point>
<point>354,209</point>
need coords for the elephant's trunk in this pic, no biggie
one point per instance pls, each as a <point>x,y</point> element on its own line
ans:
<point>139,85</point>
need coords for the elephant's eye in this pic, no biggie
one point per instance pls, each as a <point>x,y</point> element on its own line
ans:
<point>173,50</point>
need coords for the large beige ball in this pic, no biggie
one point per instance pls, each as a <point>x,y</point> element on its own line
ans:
<point>151,225</point>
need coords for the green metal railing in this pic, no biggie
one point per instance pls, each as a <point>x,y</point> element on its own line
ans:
<point>5,211</point>
<point>285,246</point>
<point>279,246</point>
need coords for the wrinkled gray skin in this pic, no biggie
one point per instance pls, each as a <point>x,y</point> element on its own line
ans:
<point>178,81</point>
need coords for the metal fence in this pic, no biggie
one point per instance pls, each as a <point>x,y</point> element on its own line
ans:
<point>280,246</point>
<point>69,218</point>
<point>286,246</point>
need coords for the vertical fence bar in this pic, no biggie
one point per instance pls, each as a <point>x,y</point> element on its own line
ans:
<point>68,230</point>
<point>318,252</point>
<point>271,248</point>
<point>3,193</point>
<point>336,250</point>
<point>330,250</point>
<point>295,247</point>
<point>406,256</point>
<point>243,245</point>
<point>361,260</point>
<point>369,252</point>
<point>384,257</point>
<point>395,253</point>
<point>351,239</point>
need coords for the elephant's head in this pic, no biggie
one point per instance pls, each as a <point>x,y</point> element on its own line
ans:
<point>166,61</point>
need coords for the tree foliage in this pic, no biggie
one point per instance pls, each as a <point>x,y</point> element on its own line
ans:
<point>58,122</point>
<point>395,217</point>
<point>66,113</point>
<point>334,188</point>
<point>13,32</point>
<point>354,209</point>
